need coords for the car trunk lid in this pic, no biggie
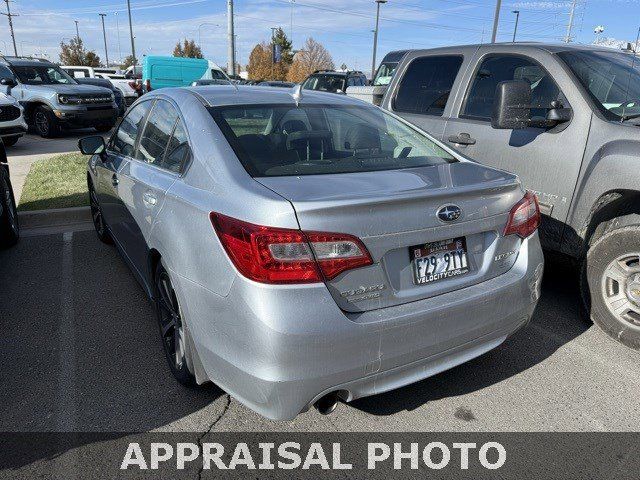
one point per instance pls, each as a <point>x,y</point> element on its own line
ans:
<point>392,211</point>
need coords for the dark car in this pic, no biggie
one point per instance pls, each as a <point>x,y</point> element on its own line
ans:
<point>9,228</point>
<point>334,82</point>
<point>274,83</point>
<point>103,82</point>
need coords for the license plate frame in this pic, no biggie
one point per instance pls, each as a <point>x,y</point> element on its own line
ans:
<point>427,253</point>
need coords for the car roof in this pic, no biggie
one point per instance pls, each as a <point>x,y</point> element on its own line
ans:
<point>29,63</point>
<point>516,47</point>
<point>226,95</point>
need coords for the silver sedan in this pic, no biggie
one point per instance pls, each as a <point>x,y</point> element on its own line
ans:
<point>302,247</point>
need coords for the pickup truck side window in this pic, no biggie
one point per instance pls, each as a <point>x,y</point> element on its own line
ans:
<point>426,85</point>
<point>498,68</point>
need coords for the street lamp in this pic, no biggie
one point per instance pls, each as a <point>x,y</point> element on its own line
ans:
<point>202,25</point>
<point>104,36</point>
<point>375,37</point>
<point>515,29</point>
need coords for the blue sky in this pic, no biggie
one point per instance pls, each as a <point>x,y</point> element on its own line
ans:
<point>343,26</point>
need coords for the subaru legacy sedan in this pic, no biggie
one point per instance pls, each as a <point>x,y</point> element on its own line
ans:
<point>303,248</point>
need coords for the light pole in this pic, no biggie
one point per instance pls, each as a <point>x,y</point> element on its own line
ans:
<point>231,47</point>
<point>375,38</point>
<point>515,29</point>
<point>118,30</point>
<point>104,36</point>
<point>77,31</point>
<point>202,25</point>
<point>496,20</point>
<point>133,46</point>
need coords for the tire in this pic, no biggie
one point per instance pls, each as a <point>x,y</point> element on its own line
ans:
<point>45,123</point>
<point>11,141</point>
<point>172,329</point>
<point>103,128</point>
<point>9,224</point>
<point>612,275</point>
<point>97,217</point>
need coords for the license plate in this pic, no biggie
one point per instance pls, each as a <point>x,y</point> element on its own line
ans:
<point>439,260</point>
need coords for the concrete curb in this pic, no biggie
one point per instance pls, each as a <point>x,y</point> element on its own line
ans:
<point>55,217</point>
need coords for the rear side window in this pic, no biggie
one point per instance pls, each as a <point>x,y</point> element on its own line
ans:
<point>5,72</point>
<point>495,69</point>
<point>426,85</point>
<point>177,149</point>
<point>157,132</point>
<point>124,140</point>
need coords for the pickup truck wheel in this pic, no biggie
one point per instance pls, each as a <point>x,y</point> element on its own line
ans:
<point>45,123</point>
<point>9,227</point>
<point>612,271</point>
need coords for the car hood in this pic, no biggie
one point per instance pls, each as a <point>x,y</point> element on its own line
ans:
<point>74,89</point>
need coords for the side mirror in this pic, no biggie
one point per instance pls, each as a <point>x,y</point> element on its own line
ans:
<point>511,105</point>
<point>558,114</point>
<point>91,145</point>
<point>9,83</point>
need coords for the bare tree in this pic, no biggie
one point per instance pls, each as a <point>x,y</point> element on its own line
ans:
<point>313,57</point>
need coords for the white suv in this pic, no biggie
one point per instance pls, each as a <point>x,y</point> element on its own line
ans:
<point>12,123</point>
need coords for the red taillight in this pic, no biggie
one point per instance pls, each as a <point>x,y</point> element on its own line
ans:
<point>279,255</point>
<point>524,217</point>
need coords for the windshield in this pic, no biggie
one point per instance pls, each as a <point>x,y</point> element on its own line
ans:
<point>385,73</point>
<point>42,75</point>
<point>611,78</point>
<point>283,140</point>
<point>324,83</point>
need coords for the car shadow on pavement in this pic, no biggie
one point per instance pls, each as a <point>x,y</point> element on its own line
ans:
<point>84,351</point>
<point>32,144</point>
<point>558,319</point>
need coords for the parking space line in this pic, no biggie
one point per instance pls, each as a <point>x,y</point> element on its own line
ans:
<point>67,415</point>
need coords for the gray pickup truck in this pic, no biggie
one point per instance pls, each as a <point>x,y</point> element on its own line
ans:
<point>566,119</point>
<point>52,100</point>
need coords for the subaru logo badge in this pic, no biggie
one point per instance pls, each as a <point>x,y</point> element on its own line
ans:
<point>449,213</point>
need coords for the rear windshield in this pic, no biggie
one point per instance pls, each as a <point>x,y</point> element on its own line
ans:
<point>284,140</point>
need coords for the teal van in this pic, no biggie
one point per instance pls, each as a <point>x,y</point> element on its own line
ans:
<point>160,71</point>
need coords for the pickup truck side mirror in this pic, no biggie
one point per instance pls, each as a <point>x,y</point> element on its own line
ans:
<point>511,105</point>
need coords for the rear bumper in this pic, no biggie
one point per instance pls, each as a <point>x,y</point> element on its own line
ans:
<point>278,349</point>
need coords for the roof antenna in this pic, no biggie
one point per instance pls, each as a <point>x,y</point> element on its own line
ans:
<point>633,65</point>
<point>297,94</point>
<point>233,85</point>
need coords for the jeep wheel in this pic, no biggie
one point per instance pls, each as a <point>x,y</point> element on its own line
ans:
<point>612,271</point>
<point>45,123</point>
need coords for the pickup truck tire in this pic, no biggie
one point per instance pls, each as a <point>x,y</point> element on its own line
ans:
<point>9,226</point>
<point>45,123</point>
<point>612,273</point>
<point>10,141</point>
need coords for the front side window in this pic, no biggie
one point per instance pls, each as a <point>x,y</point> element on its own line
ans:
<point>426,85</point>
<point>42,75</point>
<point>611,78</point>
<point>499,68</point>
<point>5,72</point>
<point>157,131</point>
<point>123,141</point>
<point>323,139</point>
<point>217,75</point>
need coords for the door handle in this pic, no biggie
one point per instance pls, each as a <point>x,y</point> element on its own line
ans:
<point>149,199</point>
<point>462,139</point>
<point>114,180</point>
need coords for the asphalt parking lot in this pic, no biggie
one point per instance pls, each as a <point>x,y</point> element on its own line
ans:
<point>81,352</point>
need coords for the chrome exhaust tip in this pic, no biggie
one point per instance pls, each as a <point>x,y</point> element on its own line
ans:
<point>327,404</point>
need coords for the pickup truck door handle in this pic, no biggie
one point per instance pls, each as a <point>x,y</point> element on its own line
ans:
<point>462,139</point>
<point>114,180</point>
<point>149,199</point>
